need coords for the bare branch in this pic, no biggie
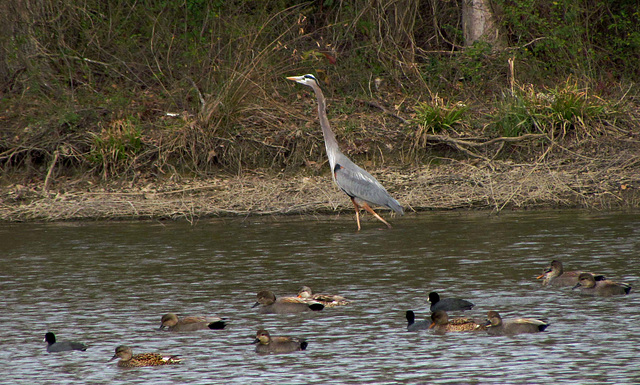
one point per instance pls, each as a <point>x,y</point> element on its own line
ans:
<point>47,180</point>
<point>386,111</point>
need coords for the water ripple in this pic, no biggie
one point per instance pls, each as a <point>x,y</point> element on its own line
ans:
<point>107,284</point>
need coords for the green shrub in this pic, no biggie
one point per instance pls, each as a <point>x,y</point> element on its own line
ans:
<point>557,112</point>
<point>115,148</point>
<point>437,117</point>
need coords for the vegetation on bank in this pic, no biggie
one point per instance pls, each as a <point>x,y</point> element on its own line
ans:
<point>118,89</point>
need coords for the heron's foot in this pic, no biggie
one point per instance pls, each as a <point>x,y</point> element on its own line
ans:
<point>370,210</point>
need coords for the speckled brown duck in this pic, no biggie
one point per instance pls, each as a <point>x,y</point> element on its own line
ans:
<point>589,286</point>
<point>268,303</point>
<point>171,322</point>
<point>554,275</point>
<point>130,360</point>
<point>328,300</point>
<point>441,323</point>
<point>267,344</point>
<point>497,327</point>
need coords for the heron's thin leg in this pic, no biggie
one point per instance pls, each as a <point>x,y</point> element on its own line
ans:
<point>370,210</point>
<point>357,212</point>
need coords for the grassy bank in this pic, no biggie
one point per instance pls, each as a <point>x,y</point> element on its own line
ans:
<point>108,94</point>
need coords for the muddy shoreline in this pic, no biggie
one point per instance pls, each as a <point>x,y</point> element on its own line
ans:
<point>597,184</point>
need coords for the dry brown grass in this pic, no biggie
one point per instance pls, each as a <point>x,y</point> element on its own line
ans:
<point>600,179</point>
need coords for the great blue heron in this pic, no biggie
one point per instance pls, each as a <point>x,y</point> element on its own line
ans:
<point>359,185</point>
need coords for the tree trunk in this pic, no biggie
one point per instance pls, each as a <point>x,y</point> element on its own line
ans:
<point>478,23</point>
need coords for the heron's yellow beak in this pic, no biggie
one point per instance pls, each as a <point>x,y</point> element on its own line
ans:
<point>295,78</point>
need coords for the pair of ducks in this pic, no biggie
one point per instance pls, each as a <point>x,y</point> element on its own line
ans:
<point>588,283</point>
<point>494,325</point>
<point>172,323</point>
<point>306,300</point>
<point>266,345</point>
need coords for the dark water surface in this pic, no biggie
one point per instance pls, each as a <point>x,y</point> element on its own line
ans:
<point>108,283</point>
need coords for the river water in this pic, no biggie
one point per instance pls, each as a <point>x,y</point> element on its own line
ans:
<point>108,283</point>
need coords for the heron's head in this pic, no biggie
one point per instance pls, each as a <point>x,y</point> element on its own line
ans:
<point>307,80</point>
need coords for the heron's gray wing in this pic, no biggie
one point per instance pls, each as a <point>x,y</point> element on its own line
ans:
<point>358,183</point>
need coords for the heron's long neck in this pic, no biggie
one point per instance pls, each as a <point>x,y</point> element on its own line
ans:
<point>330,141</point>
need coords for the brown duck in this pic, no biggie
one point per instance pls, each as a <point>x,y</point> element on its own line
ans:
<point>328,300</point>
<point>497,327</point>
<point>267,344</point>
<point>130,360</point>
<point>171,322</point>
<point>441,323</point>
<point>589,286</point>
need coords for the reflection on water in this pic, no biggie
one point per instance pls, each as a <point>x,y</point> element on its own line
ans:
<point>107,284</point>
